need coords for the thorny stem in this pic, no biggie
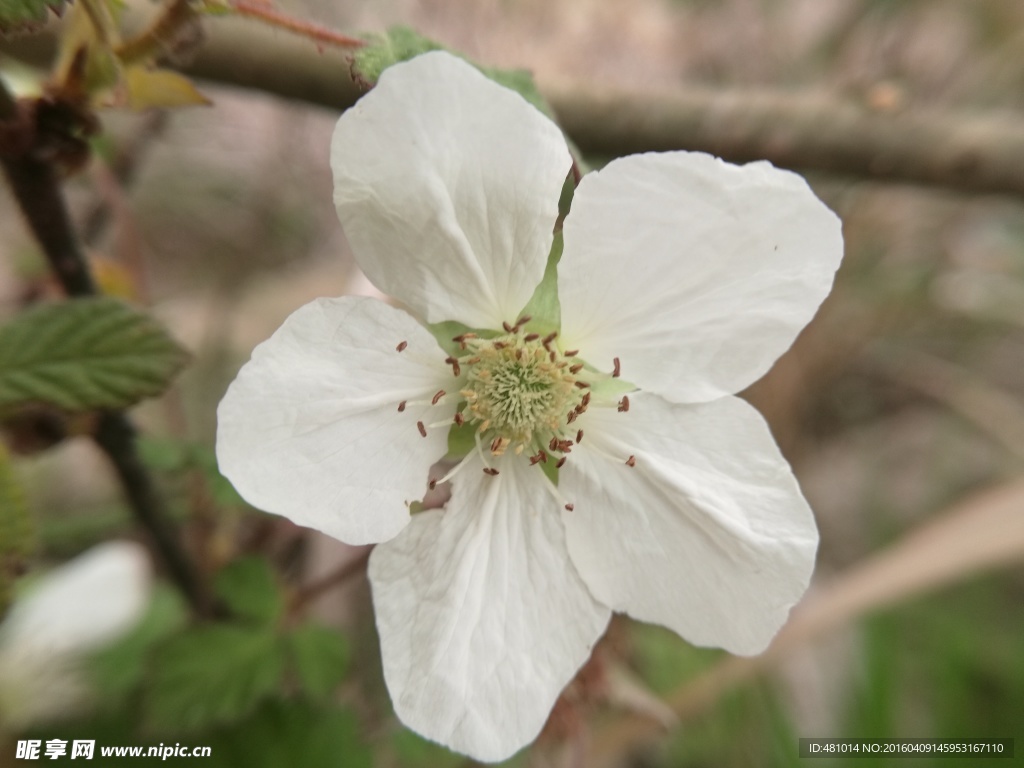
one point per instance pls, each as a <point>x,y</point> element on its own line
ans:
<point>36,187</point>
<point>267,13</point>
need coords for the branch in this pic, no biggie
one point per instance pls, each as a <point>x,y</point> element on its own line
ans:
<point>811,132</point>
<point>36,187</point>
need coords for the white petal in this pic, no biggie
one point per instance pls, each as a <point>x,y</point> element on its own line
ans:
<point>81,605</point>
<point>482,617</point>
<point>310,429</point>
<point>707,534</point>
<point>695,273</point>
<point>447,188</point>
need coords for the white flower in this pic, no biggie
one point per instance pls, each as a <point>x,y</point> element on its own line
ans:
<point>73,610</point>
<point>686,274</point>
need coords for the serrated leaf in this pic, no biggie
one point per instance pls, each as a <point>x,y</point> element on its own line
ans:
<point>213,674</point>
<point>15,529</point>
<point>249,590</point>
<point>149,88</point>
<point>119,668</point>
<point>85,354</point>
<point>290,733</point>
<point>27,15</point>
<point>320,657</point>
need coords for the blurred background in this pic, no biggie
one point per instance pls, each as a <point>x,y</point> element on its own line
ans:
<point>901,407</point>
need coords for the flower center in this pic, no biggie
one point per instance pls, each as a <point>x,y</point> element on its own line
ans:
<point>521,391</point>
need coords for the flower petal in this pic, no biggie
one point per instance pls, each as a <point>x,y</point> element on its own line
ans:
<point>482,617</point>
<point>310,429</point>
<point>707,534</point>
<point>81,605</point>
<point>447,187</point>
<point>697,274</point>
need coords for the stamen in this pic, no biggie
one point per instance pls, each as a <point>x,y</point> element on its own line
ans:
<point>432,485</point>
<point>506,326</point>
<point>401,345</point>
<point>582,384</point>
<point>576,368</point>
<point>569,507</point>
<point>531,337</point>
<point>617,369</point>
<point>490,471</point>
<point>524,320</point>
<point>540,458</point>
<point>459,419</point>
<point>454,364</point>
<point>572,415</point>
<point>401,406</point>
<point>560,462</point>
<point>572,352</point>
<point>631,461</point>
<point>624,404</point>
<point>437,397</point>
<point>421,428</point>
<point>579,436</point>
<point>549,338</point>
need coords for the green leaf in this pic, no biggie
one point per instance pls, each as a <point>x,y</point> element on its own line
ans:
<point>27,15</point>
<point>290,733</point>
<point>120,668</point>
<point>213,674</point>
<point>320,658</point>
<point>249,589</point>
<point>15,529</point>
<point>85,354</point>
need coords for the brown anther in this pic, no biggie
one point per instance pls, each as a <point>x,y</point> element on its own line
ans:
<point>582,384</point>
<point>473,360</point>
<point>401,345</point>
<point>565,446</point>
<point>437,397</point>
<point>572,416</point>
<point>553,445</point>
<point>499,344</point>
<point>572,352</point>
<point>524,320</point>
<point>490,471</point>
<point>579,436</point>
<point>459,419</point>
<point>569,507</point>
<point>552,356</point>
<point>519,353</point>
<point>454,364</point>
<point>432,485</point>
<point>631,461</point>
<point>549,338</point>
<point>560,462</point>
<point>495,445</point>
<point>576,368</point>
<point>401,406</point>
<point>585,401</point>
<point>535,459</point>
<point>624,404</point>
<point>421,428</point>
<point>507,327</point>
<point>531,337</point>
<point>616,370</point>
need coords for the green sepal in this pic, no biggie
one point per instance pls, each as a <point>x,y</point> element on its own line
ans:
<point>544,307</point>
<point>401,43</point>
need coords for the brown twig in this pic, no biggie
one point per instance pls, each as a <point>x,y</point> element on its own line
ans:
<point>36,187</point>
<point>328,582</point>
